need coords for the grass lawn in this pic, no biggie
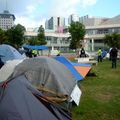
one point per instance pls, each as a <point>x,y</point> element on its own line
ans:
<point>100,98</point>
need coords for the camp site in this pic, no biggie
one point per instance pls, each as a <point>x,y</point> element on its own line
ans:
<point>52,87</point>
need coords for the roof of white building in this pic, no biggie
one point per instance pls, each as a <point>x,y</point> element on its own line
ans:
<point>114,20</point>
<point>7,14</point>
<point>94,21</point>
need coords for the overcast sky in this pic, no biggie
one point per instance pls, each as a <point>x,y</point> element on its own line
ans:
<point>33,13</point>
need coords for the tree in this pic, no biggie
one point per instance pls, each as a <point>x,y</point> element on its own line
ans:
<point>112,40</point>
<point>16,35</point>
<point>41,36</point>
<point>32,41</point>
<point>3,36</point>
<point>77,31</point>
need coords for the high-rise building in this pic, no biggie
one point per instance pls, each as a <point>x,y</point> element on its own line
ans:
<point>73,18</point>
<point>55,23</point>
<point>6,20</point>
<point>46,24</point>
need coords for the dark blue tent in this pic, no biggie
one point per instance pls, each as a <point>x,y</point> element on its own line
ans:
<point>36,47</point>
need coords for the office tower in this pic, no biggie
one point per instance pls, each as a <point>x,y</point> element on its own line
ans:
<point>6,20</point>
<point>55,23</point>
<point>73,18</point>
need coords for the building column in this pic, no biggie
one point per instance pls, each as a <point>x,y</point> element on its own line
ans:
<point>92,44</point>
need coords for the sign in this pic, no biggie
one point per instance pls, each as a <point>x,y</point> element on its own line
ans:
<point>76,95</point>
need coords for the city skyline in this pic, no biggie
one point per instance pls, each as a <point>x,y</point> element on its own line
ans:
<point>33,13</point>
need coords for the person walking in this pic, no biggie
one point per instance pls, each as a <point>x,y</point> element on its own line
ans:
<point>113,53</point>
<point>99,53</point>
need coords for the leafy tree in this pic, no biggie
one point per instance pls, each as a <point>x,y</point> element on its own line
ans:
<point>3,36</point>
<point>41,36</point>
<point>32,41</point>
<point>16,35</point>
<point>112,40</point>
<point>77,31</point>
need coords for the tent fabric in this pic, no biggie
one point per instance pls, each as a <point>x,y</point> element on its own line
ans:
<point>18,101</point>
<point>40,47</point>
<point>104,53</point>
<point>9,53</point>
<point>48,73</point>
<point>82,70</point>
<point>8,68</point>
<point>81,64</point>
<point>69,65</point>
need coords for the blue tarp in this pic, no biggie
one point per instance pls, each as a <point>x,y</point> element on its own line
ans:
<point>69,65</point>
<point>80,64</point>
<point>40,47</point>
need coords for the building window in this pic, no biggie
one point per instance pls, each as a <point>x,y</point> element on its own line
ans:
<point>99,41</point>
<point>54,40</point>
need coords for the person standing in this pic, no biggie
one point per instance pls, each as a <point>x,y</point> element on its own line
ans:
<point>58,52</point>
<point>99,53</point>
<point>34,52</point>
<point>113,53</point>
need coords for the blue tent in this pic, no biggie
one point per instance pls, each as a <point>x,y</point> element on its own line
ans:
<point>7,52</point>
<point>36,47</point>
<point>104,53</point>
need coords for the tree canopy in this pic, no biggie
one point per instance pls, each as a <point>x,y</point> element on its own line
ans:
<point>40,39</point>
<point>41,36</point>
<point>112,40</point>
<point>3,36</point>
<point>77,31</point>
<point>13,36</point>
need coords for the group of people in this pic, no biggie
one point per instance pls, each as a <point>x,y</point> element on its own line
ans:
<point>113,56</point>
<point>31,53</point>
<point>113,52</point>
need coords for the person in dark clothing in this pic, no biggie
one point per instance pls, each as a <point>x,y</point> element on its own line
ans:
<point>113,53</point>
<point>1,63</point>
<point>82,53</point>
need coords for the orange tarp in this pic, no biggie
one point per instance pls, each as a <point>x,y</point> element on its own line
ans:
<point>82,70</point>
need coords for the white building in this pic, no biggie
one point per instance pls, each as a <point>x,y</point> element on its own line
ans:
<point>54,39</point>
<point>96,28</point>
<point>6,20</point>
<point>73,18</point>
<point>54,23</point>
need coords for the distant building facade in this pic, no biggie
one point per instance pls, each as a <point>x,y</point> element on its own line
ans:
<point>96,28</point>
<point>6,20</point>
<point>55,23</point>
<point>54,39</point>
<point>73,18</point>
